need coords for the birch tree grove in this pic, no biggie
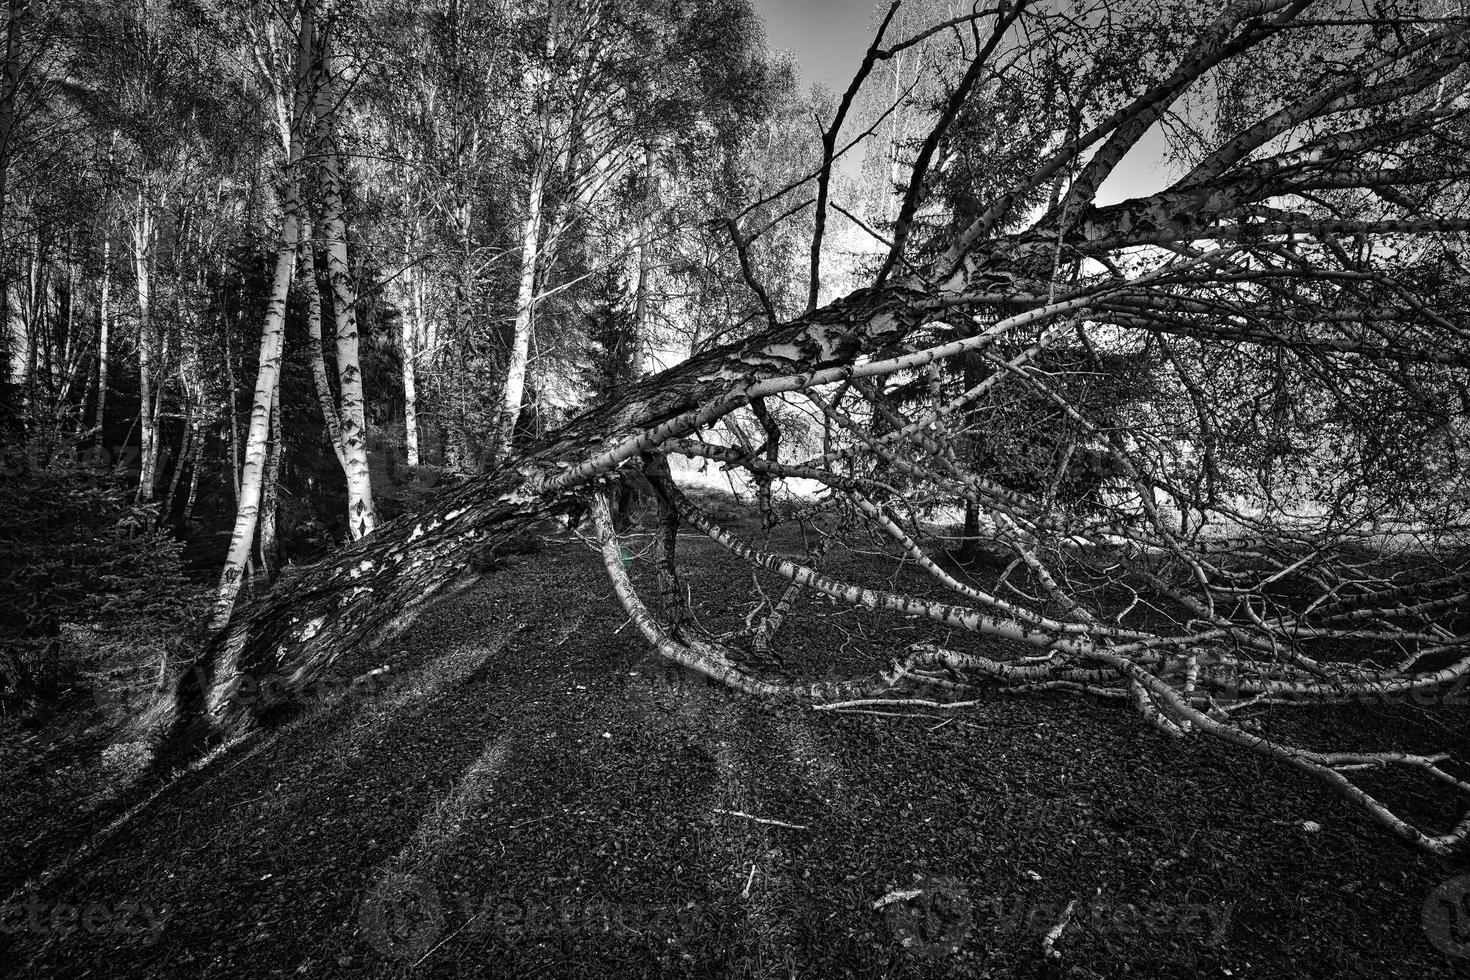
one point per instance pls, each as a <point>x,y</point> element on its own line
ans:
<point>1125,342</point>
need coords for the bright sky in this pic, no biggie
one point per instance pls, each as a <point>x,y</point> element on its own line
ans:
<point>829,37</point>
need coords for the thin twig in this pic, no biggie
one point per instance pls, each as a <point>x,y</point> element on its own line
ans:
<point>765,820</point>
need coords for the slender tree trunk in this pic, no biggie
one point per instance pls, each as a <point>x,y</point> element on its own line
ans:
<point>234,421</point>
<point>410,391</point>
<point>187,517</point>
<point>104,328</point>
<point>148,423</point>
<point>29,320</point>
<point>14,67</point>
<point>642,329</point>
<point>520,346</point>
<point>252,472</point>
<point>272,335</point>
<point>409,328</point>
<point>235,450</point>
<point>14,27</point>
<point>361,516</point>
<point>324,396</point>
<point>893,199</point>
<point>180,461</point>
<point>78,349</point>
<point>69,350</point>
<point>50,335</point>
<point>269,548</point>
<point>160,444</point>
<point>428,340</point>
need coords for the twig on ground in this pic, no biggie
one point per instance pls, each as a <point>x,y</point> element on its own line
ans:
<point>765,820</point>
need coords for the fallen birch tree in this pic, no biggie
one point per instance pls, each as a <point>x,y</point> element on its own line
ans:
<point>1238,403</point>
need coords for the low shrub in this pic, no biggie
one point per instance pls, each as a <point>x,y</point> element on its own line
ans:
<point>93,598</point>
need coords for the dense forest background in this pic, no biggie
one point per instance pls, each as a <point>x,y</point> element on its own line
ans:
<point>504,214</point>
<point>477,186</point>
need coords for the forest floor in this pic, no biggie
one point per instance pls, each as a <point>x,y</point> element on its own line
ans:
<point>530,792</point>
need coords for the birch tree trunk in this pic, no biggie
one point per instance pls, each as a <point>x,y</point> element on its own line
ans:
<point>324,395</point>
<point>180,461</point>
<point>541,164</point>
<point>272,334</point>
<point>893,200</point>
<point>71,349</point>
<point>104,327</point>
<point>29,320</point>
<point>14,27</point>
<point>188,515</point>
<point>641,327</point>
<point>410,326</point>
<point>269,548</point>
<point>410,386</point>
<point>234,465</point>
<point>361,516</point>
<point>147,423</point>
<point>520,346</point>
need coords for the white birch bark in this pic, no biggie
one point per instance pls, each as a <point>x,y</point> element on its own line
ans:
<point>194,464</point>
<point>147,424</point>
<point>361,516</point>
<point>180,460</point>
<point>272,335</point>
<point>541,162</point>
<point>104,329</point>
<point>515,373</point>
<point>268,495</point>
<point>410,327</point>
<point>642,329</point>
<point>351,415</point>
<point>324,394</point>
<point>409,337</point>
